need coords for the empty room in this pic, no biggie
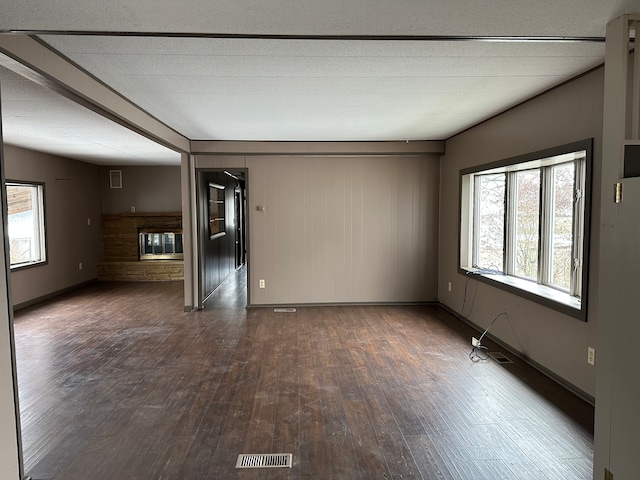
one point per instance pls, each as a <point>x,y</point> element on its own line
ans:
<point>319,241</point>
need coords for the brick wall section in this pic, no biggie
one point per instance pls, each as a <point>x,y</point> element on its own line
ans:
<point>120,247</point>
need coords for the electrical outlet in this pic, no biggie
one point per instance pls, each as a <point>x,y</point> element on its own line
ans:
<point>133,209</point>
<point>261,283</point>
<point>80,266</point>
<point>474,342</point>
<point>591,355</point>
<point>449,286</point>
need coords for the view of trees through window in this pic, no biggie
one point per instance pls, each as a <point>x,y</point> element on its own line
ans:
<point>527,224</point>
<point>562,224</point>
<point>524,222</point>
<point>489,228</point>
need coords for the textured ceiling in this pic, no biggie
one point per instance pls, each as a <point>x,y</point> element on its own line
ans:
<point>248,89</point>
<point>324,90</point>
<point>35,117</point>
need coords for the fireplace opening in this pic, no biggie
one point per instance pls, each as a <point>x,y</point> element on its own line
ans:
<point>161,245</point>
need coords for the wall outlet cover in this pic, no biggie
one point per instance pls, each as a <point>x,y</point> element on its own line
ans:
<point>591,355</point>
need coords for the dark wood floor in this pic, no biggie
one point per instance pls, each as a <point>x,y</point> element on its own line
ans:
<point>117,382</point>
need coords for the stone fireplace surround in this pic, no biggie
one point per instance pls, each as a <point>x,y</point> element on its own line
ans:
<point>120,244</point>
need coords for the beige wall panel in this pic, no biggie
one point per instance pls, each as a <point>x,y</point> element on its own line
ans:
<point>287,184</point>
<point>343,229</point>
<point>221,147</point>
<point>257,230</point>
<point>425,221</point>
<point>278,229</point>
<point>319,235</point>
<point>373,235</point>
<point>338,241</point>
<point>220,161</point>
<point>147,189</point>
<point>566,114</point>
<point>72,195</point>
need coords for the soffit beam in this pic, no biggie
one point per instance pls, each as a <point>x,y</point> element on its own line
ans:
<point>34,60</point>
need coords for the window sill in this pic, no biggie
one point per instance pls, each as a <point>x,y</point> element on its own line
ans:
<point>547,296</point>
<point>23,266</point>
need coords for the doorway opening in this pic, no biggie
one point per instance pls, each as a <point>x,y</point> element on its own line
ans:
<point>221,226</point>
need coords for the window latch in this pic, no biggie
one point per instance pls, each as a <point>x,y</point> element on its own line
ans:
<point>579,194</point>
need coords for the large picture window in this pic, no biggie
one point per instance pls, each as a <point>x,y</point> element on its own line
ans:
<point>26,230</point>
<point>524,225</point>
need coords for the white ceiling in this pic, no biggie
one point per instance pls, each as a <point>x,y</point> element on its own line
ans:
<point>324,90</point>
<point>37,118</point>
<point>270,89</point>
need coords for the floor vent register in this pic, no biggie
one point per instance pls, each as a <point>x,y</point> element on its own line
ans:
<point>264,460</point>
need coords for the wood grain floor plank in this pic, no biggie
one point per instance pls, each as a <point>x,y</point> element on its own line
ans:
<point>368,451</point>
<point>428,460</point>
<point>116,381</point>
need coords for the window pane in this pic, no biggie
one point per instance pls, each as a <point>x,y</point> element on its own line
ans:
<point>527,223</point>
<point>562,224</point>
<point>489,217</point>
<point>157,244</point>
<point>25,224</point>
<point>168,243</point>
<point>179,243</point>
<point>147,240</point>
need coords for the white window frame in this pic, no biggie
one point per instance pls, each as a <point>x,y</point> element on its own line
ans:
<point>40,245</point>
<point>541,289</point>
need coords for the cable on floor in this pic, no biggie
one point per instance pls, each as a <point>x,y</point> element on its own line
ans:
<point>479,352</point>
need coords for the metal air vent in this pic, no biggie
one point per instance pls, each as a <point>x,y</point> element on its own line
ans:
<point>264,460</point>
<point>500,357</point>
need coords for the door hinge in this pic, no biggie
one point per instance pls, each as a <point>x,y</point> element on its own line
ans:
<point>617,192</point>
<point>607,474</point>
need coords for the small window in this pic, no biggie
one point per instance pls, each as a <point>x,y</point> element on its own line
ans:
<point>217,210</point>
<point>524,225</point>
<point>488,231</point>
<point>25,202</point>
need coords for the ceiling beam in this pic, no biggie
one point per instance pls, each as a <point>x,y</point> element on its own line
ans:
<point>270,36</point>
<point>412,147</point>
<point>32,59</point>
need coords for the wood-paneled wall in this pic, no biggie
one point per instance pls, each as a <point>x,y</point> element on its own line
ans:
<point>217,255</point>
<point>343,229</point>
